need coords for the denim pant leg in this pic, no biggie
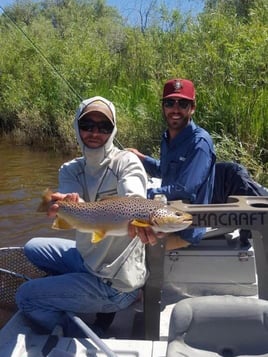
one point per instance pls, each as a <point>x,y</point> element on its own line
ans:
<point>54,255</point>
<point>45,300</point>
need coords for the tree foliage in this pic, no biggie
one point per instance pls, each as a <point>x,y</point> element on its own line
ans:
<point>55,52</point>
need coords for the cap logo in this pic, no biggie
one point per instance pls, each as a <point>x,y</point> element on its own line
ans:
<point>177,86</point>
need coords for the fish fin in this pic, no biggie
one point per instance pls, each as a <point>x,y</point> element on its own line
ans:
<point>60,223</point>
<point>46,201</point>
<point>97,236</point>
<point>138,223</point>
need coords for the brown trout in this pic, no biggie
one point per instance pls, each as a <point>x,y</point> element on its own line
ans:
<point>111,216</point>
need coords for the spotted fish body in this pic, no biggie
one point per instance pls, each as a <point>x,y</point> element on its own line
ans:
<point>111,216</point>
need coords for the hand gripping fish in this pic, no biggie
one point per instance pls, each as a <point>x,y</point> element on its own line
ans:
<point>111,216</point>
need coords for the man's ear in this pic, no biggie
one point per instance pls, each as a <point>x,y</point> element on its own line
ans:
<point>193,108</point>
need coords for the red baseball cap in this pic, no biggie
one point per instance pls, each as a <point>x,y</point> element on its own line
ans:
<point>179,88</point>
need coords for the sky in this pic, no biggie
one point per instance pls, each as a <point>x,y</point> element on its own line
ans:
<point>129,8</point>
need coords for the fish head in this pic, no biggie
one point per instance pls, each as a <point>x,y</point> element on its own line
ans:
<point>169,219</point>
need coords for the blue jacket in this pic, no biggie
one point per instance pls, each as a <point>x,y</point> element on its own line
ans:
<point>233,179</point>
<point>187,169</point>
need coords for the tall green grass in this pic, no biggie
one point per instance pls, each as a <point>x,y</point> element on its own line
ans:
<point>223,53</point>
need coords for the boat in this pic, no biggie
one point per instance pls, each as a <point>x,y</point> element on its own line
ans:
<point>205,300</point>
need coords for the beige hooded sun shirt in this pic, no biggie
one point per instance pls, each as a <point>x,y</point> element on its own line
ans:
<point>102,172</point>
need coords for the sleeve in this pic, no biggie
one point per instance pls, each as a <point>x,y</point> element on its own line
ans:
<point>132,178</point>
<point>69,174</point>
<point>191,175</point>
<point>152,166</point>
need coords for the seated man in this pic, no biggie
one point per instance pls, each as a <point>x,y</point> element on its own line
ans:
<point>85,277</point>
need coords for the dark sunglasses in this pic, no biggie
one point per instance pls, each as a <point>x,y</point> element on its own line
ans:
<point>182,103</point>
<point>104,127</point>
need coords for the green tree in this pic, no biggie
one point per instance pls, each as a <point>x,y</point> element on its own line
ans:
<point>53,53</point>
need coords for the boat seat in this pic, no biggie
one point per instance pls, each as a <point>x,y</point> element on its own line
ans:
<point>213,326</point>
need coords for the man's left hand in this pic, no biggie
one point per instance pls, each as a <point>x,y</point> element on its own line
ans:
<point>146,234</point>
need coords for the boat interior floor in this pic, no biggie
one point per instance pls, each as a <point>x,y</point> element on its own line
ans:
<point>187,273</point>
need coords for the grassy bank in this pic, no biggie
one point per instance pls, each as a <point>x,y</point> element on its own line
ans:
<point>79,49</point>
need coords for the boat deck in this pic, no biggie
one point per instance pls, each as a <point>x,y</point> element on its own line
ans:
<point>19,339</point>
<point>216,267</point>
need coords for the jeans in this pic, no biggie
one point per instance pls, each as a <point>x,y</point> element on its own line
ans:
<point>72,287</point>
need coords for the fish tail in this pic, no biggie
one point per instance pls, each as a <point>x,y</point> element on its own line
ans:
<point>46,200</point>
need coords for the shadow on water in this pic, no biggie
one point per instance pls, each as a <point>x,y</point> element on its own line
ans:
<point>24,175</point>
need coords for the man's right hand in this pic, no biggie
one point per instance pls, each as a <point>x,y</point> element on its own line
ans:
<point>140,155</point>
<point>57,196</point>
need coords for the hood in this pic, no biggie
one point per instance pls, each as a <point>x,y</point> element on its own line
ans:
<point>96,159</point>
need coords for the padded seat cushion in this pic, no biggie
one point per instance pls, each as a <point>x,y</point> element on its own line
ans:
<point>224,325</point>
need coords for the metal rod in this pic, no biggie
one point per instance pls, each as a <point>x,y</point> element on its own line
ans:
<point>16,275</point>
<point>87,330</point>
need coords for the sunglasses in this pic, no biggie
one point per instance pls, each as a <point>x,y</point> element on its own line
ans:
<point>182,103</point>
<point>104,127</point>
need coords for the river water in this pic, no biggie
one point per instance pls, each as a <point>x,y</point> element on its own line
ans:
<point>24,174</point>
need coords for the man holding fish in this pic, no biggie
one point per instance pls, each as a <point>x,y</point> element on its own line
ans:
<point>93,274</point>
